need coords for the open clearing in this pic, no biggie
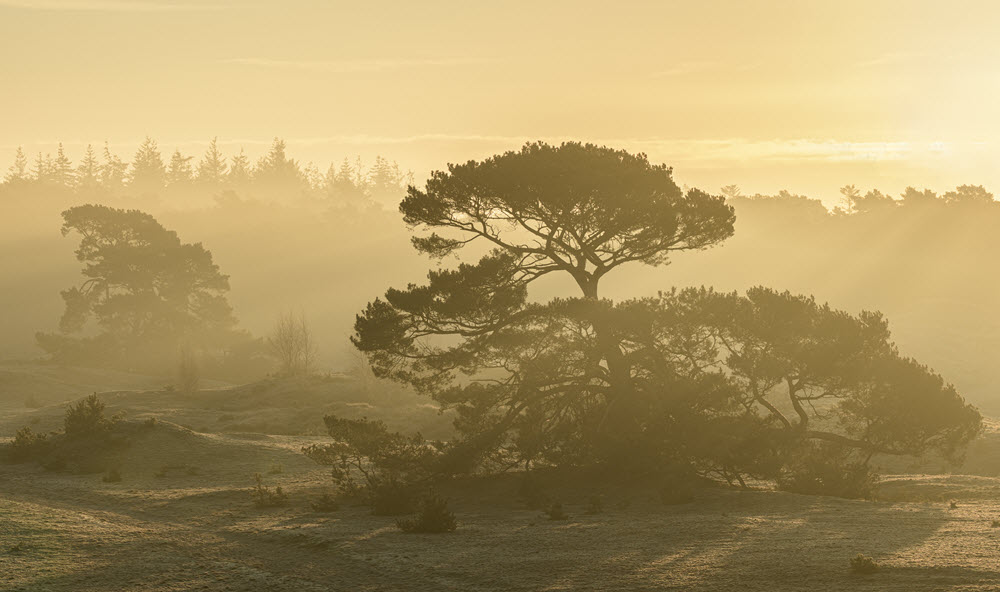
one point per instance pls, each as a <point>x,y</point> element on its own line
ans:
<point>182,519</point>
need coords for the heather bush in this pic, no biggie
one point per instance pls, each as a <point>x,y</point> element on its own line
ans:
<point>433,517</point>
<point>265,497</point>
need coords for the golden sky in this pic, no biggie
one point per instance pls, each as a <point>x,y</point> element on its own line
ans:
<point>802,95</point>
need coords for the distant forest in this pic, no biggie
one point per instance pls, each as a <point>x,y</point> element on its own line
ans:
<point>149,173</point>
<point>322,242</point>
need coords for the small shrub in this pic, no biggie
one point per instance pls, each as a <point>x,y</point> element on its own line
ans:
<point>995,524</point>
<point>392,498</point>
<point>595,505</point>
<point>368,461</point>
<point>555,512</point>
<point>112,476</point>
<point>161,473</point>
<point>325,503</point>
<point>192,470</point>
<point>31,402</point>
<point>952,505</point>
<point>264,497</point>
<point>824,469</point>
<point>863,564</point>
<point>150,422</point>
<point>434,517</point>
<point>16,549</point>
<point>27,445</point>
<point>86,418</point>
<point>275,469</point>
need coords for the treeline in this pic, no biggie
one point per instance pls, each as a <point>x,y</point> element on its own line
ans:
<point>274,175</point>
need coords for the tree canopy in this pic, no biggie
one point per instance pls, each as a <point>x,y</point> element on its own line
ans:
<point>142,284</point>
<point>690,377</point>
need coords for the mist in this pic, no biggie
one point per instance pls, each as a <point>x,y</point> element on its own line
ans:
<point>521,297</point>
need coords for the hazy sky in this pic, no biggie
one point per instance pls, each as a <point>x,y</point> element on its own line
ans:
<point>802,95</point>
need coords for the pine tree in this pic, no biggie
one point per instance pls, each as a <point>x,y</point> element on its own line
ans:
<point>239,172</point>
<point>386,181</point>
<point>61,172</point>
<point>88,174</point>
<point>148,173</point>
<point>313,178</point>
<point>347,186</point>
<point>277,175</point>
<point>42,171</point>
<point>18,172</point>
<point>212,167</point>
<point>113,171</point>
<point>180,172</point>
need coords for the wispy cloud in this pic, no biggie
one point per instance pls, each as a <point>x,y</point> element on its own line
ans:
<point>352,66</point>
<point>105,6</point>
<point>891,58</point>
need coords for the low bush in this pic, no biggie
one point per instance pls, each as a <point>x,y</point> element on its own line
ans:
<point>368,462</point>
<point>433,517</point>
<point>824,469</point>
<point>264,497</point>
<point>87,440</point>
<point>555,512</point>
<point>27,445</point>
<point>863,564</point>
<point>112,476</point>
<point>325,503</point>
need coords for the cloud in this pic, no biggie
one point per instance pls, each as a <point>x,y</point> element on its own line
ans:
<point>104,6</point>
<point>353,66</point>
<point>891,58</point>
<point>685,68</point>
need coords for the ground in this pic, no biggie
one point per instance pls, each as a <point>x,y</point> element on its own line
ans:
<point>182,518</point>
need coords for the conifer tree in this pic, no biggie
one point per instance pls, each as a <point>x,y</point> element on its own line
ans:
<point>113,171</point>
<point>18,172</point>
<point>212,166</point>
<point>239,171</point>
<point>180,172</point>
<point>61,172</point>
<point>148,173</point>
<point>88,174</point>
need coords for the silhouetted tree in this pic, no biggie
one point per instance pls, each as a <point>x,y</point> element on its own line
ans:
<point>148,175</point>
<point>815,372</point>
<point>212,167</point>
<point>914,198</point>
<point>88,173</point>
<point>278,175</point>
<point>293,345</point>
<point>144,287</point>
<point>180,173</point>
<point>346,186</point>
<point>61,171</point>
<point>239,171</point>
<point>113,171</point>
<point>873,201</point>
<point>386,181</point>
<point>42,170</point>
<point>968,195</point>
<point>18,172</point>
<point>578,210</point>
